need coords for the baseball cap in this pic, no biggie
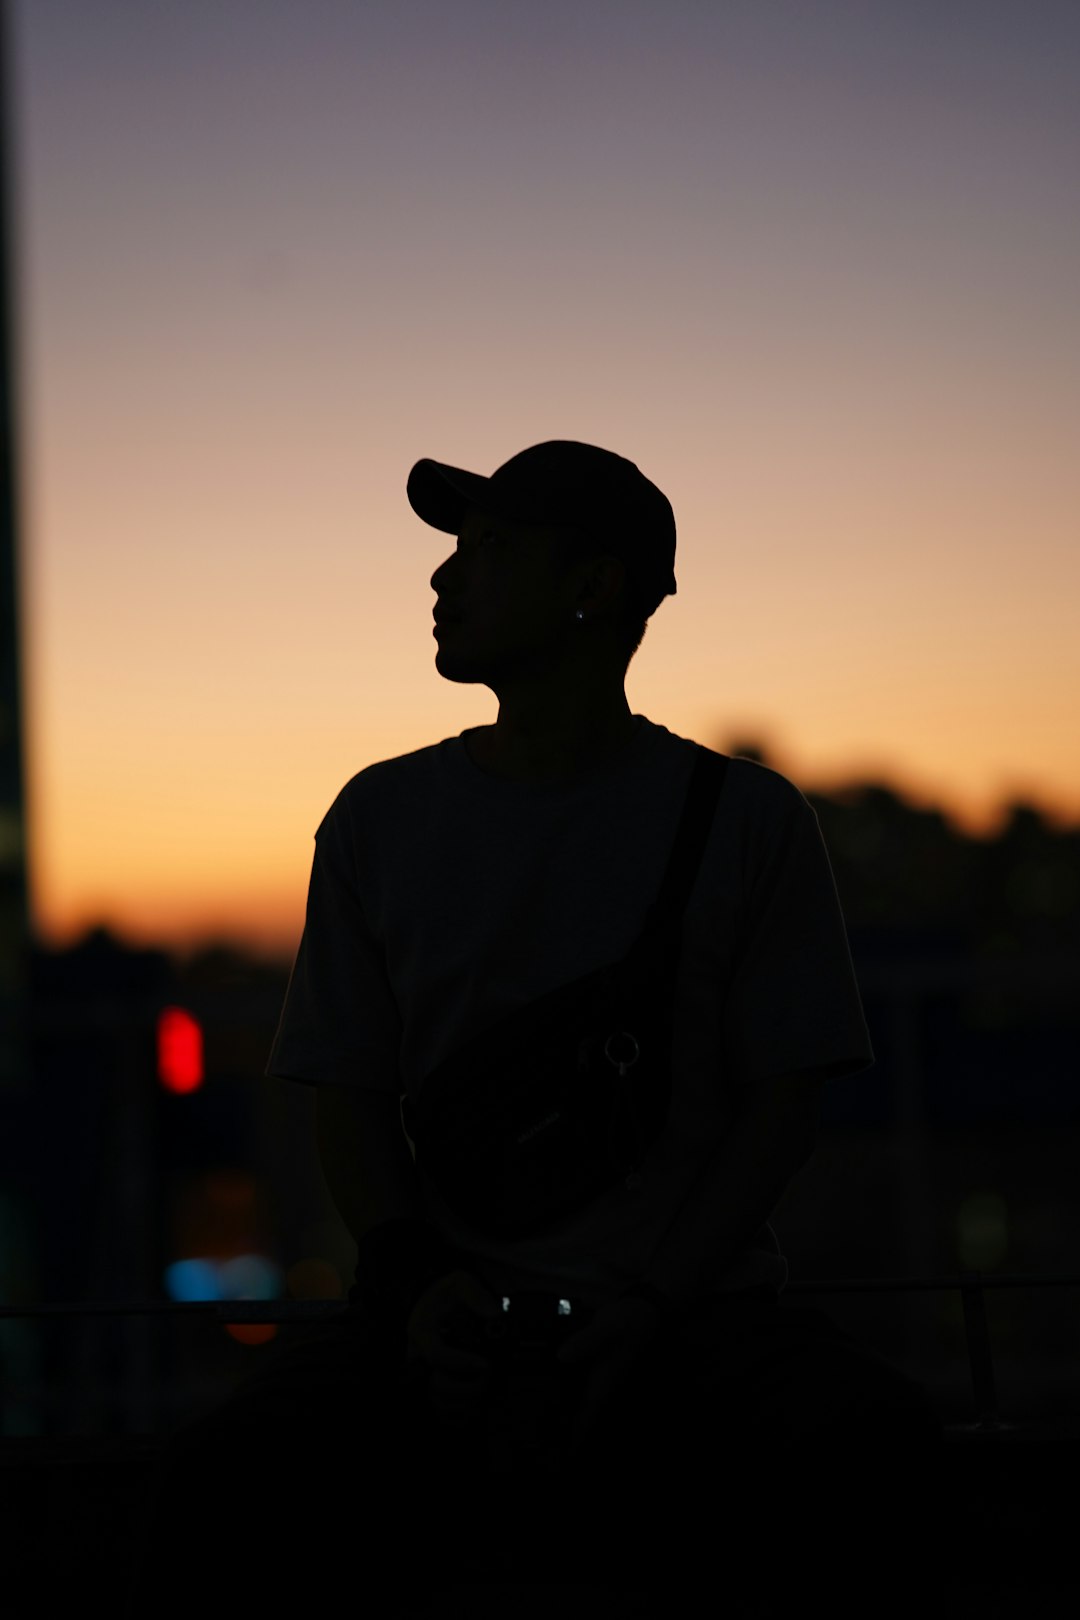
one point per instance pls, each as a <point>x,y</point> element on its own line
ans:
<point>563,483</point>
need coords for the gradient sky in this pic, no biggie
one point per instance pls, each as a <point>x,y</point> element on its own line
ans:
<point>814,267</point>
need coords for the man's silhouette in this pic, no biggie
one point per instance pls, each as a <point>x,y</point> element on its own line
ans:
<point>729,1438</point>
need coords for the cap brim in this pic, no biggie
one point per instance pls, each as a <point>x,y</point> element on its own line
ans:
<point>441,495</point>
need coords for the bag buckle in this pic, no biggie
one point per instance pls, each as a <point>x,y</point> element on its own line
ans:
<point>622,1064</point>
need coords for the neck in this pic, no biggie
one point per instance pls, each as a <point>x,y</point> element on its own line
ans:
<point>541,745</point>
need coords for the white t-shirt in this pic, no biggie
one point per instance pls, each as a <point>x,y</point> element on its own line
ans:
<point>442,897</point>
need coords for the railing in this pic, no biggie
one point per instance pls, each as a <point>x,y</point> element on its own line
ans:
<point>970,1284</point>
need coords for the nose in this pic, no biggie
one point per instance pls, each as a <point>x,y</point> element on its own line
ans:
<point>438,578</point>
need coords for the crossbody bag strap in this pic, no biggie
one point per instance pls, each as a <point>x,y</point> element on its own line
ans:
<point>665,914</point>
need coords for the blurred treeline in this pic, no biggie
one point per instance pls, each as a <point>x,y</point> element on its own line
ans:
<point>966,952</point>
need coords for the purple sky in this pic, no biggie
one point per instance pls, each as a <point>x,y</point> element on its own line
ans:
<point>815,267</point>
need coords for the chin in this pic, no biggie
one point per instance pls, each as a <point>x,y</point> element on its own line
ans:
<point>456,668</point>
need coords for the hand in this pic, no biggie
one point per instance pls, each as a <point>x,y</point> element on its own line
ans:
<point>614,1346</point>
<point>449,1316</point>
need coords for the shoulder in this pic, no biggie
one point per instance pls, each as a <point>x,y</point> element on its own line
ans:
<point>382,788</point>
<point>753,792</point>
<point>764,819</point>
<point>757,803</point>
<point>765,792</point>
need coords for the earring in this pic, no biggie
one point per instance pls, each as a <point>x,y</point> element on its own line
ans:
<point>579,615</point>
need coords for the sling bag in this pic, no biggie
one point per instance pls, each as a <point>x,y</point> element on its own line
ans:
<point>557,1102</point>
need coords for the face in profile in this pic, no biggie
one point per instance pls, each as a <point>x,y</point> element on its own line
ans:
<point>502,614</point>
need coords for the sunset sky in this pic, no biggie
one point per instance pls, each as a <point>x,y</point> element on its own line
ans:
<point>814,266</point>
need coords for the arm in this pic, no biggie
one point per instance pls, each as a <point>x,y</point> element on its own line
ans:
<point>364,1156</point>
<point>772,1140</point>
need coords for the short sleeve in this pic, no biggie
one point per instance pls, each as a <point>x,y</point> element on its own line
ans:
<point>339,1025</point>
<point>794,1002</point>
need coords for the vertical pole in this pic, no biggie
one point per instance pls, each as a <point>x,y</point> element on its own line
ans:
<point>911,1159</point>
<point>14,917</point>
<point>978,1343</point>
<point>20,1342</point>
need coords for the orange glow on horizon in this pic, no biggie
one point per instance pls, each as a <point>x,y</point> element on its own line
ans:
<point>815,277</point>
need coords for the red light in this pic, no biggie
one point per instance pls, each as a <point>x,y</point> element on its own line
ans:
<point>179,1050</point>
